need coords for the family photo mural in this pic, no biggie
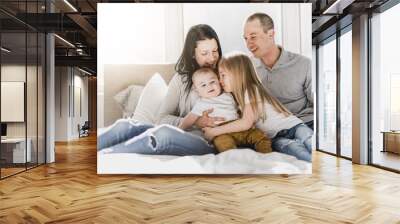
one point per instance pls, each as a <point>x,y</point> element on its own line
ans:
<point>205,89</point>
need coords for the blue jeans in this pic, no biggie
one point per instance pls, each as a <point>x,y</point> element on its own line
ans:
<point>129,136</point>
<point>296,141</point>
<point>310,124</point>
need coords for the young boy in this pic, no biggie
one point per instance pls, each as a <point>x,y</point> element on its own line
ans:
<point>206,83</point>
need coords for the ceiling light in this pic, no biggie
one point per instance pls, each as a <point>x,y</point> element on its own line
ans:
<point>5,50</point>
<point>64,40</point>
<point>337,7</point>
<point>70,5</point>
<point>84,71</point>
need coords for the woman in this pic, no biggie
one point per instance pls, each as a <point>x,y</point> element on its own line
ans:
<point>201,49</point>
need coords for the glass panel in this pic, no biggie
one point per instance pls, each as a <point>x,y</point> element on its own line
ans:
<point>385,86</point>
<point>346,94</point>
<point>32,70</point>
<point>41,98</point>
<point>327,97</point>
<point>31,100</point>
<point>23,89</point>
<point>13,87</point>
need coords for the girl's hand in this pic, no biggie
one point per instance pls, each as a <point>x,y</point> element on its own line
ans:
<point>206,121</point>
<point>210,133</point>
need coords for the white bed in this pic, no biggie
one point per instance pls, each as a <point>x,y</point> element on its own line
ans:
<point>235,161</point>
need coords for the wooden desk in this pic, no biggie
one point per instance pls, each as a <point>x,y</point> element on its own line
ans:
<point>391,141</point>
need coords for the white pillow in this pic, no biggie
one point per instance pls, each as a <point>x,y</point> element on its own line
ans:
<point>122,96</point>
<point>128,98</point>
<point>133,100</point>
<point>150,100</point>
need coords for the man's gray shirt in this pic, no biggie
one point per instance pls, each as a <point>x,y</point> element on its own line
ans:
<point>289,81</point>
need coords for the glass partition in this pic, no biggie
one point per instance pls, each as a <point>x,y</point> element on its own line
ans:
<point>13,95</point>
<point>327,97</point>
<point>41,91</point>
<point>385,89</point>
<point>346,75</point>
<point>22,77</point>
<point>32,96</point>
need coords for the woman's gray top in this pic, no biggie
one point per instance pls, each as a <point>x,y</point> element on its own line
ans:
<point>177,104</point>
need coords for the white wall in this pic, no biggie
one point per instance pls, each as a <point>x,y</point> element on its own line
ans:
<point>33,126</point>
<point>66,121</point>
<point>305,19</point>
<point>81,83</point>
<point>129,33</point>
<point>228,19</point>
<point>12,101</point>
<point>292,23</point>
<point>154,33</point>
<point>16,73</point>
<point>61,103</point>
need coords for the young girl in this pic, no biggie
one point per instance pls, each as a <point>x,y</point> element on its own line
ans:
<point>288,133</point>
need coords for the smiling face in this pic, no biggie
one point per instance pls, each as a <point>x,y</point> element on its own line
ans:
<point>226,79</point>
<point>206,53</point>
<point>206,83</point>
<point>257,41</point>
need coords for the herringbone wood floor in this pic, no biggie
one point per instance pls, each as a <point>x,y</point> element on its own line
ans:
<point>70,191</point>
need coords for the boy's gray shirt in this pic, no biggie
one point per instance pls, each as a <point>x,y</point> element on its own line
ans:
<point>290,82</point>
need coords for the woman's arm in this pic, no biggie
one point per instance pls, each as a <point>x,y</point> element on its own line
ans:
<point>244,123</point>
<point>169,109</point>
<point>188,121</point>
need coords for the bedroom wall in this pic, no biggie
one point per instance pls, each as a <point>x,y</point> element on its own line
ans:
<point>290,31</point>
<point>67,113</point>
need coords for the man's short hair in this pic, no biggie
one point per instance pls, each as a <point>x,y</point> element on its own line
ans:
<point>266,21</point>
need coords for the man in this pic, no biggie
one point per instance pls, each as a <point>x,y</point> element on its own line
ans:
<point>286,75</point>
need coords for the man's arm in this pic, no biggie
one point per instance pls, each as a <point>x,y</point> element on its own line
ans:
<point>308,86</point>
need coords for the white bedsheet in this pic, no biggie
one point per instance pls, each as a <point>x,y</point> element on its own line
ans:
<point>235,161</point>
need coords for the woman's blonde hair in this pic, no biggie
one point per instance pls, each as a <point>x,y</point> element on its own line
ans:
<point>245,79</point>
